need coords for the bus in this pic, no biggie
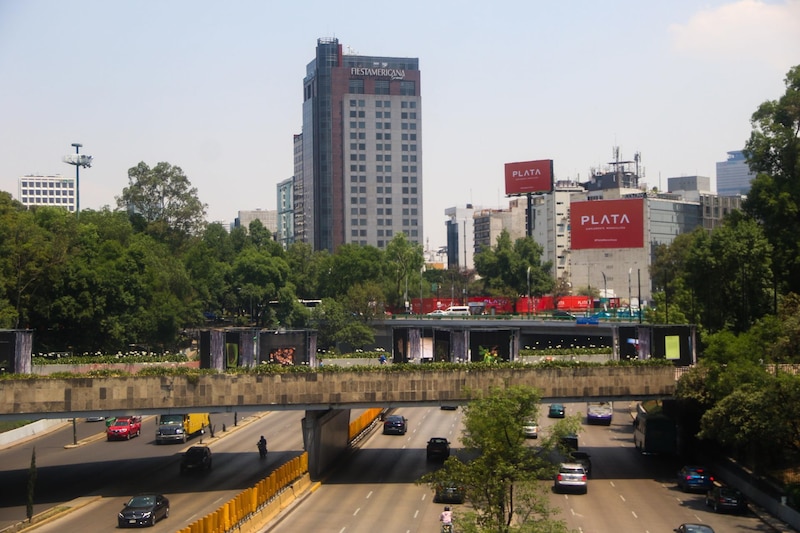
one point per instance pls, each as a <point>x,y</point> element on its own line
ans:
<point>653,431</point>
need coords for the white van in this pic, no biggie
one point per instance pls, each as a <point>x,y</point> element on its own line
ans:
<point>457,310</point>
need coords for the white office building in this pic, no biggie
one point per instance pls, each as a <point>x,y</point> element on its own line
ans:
<point>55,191</point>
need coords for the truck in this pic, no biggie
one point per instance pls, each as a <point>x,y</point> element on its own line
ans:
<point>180,427</point>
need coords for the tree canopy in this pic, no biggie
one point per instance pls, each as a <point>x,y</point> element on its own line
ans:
<point>500,473</point>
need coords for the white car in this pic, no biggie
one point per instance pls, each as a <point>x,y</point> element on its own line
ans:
<point>530,428</point>
<point>571,477</point>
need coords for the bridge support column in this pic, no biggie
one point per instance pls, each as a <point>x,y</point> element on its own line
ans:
<point>459,346</point>
<point>326,435</point>
<point>415,344</point>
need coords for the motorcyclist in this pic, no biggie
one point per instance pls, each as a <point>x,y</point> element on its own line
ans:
<point>446,518</point>
<point>262,446</point>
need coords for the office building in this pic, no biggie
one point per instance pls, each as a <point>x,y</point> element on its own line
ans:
<point>460,231</point>
<point>285,232</point>
<point>361,149</point>
<point>55,191</point>
<point>733,175</point>
<point>490,223</point>
<point>268,219</point>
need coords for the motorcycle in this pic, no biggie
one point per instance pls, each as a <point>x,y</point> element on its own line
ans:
<point>447,528</point>
<point>262,449</point>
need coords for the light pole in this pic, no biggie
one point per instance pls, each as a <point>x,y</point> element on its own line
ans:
<point>421,279</point>
<point>529,291</point>
<point>79,160</point>
<point>630,304</point>
<point>605,287</point>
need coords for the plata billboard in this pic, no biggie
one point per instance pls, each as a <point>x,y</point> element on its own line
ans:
<point>607,224</point>
<point>529,176</point>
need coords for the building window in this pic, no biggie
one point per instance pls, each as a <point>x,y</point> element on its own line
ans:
<point>408,88</point>
<point>381,86</point>
<point>356,86</point>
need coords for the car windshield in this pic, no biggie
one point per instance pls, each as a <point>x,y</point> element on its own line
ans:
<point>195,452</point>
<point>121,423</point>
<point>438,441</point>
<point>142,501</point>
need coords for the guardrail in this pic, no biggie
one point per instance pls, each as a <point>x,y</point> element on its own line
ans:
<point>269,496</point>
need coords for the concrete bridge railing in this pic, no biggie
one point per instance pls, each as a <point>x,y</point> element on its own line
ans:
<point>45,398</point>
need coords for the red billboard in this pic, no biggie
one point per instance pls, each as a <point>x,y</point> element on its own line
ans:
<point>529,176</point>
<point>607,224</point>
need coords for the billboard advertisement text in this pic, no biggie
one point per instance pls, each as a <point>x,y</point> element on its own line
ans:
<point>529,176</point>
<point>607,224</point>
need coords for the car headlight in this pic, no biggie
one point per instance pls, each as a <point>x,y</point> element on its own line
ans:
<point>179,431</point>
<point>120,516</point>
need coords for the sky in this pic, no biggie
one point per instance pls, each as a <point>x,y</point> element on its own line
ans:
<point>216,88</point>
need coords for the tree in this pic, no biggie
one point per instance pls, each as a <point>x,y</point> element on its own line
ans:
<point>163,198</point>
<point>773,152</point>
<point>504,267</point>
<point>404,261</point>
<point>500,473</point>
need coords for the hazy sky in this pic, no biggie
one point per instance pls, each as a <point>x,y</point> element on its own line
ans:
<point>216,88</point>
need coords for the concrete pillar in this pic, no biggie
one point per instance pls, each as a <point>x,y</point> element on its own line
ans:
<point>326,435</point>
<point>415,344</point>
<point>459,345</point>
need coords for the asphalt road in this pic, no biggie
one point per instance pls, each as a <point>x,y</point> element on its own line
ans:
<point>375,490</point>
<point>110,472</point>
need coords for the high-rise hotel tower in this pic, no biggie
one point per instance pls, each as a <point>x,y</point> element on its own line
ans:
<point>361,177</point>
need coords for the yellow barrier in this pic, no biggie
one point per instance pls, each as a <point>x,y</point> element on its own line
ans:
<point>250,500</point>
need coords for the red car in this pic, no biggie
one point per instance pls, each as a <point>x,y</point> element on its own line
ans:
<point>124,427</point>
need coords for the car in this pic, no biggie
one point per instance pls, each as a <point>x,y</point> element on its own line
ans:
<point>438,312</point>
<point>143,510</point>
<point>693,528</point>
<point>557,410</point>
<point>562,315</point>
<point>124,427</point>
<point>449,493</point>
<point>599,413</point>
<point>584,459</point>
<point>530,428</point>
<point>438,448</point>
<point>724,498</point>
<point>448,407</point>
<point>95,418</point>
<point>695,479</point>
<point>569,442</point>
<point>196,458</point>
<point>571,477</point>
<point>457,310</point>
<point>395,424</point>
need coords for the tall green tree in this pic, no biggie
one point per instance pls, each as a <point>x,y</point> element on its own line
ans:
<point>773,152</point>
<point>510,269</point>
<point>164,200</point>
<point>404,261</point>
<point>501,474</point>
<point>730,271</point>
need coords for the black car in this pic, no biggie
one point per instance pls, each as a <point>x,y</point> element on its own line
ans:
<point>582,458</point>
<point>722,498</point>
<point>693,528</point>
<point>144,510</point>
<point>438,448</point>
<point>695,478</point>
<point>196,458</point>
<point>395,424</point>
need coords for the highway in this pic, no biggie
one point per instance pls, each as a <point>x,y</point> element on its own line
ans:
<point>113,471</point>
<point>374,490</point>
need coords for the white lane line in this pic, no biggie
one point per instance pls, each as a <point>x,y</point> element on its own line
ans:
<point>416,513</point>
<point>634,514</point>
<point>369,495</point>
<point>357,510</point>
<point>621,497</point>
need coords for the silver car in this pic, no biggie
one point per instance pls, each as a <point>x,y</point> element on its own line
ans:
<point>530,428</point>
<point>571,477</point>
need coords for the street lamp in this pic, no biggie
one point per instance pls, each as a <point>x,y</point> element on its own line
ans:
<point>529,291</point>
<point>79,160</point>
